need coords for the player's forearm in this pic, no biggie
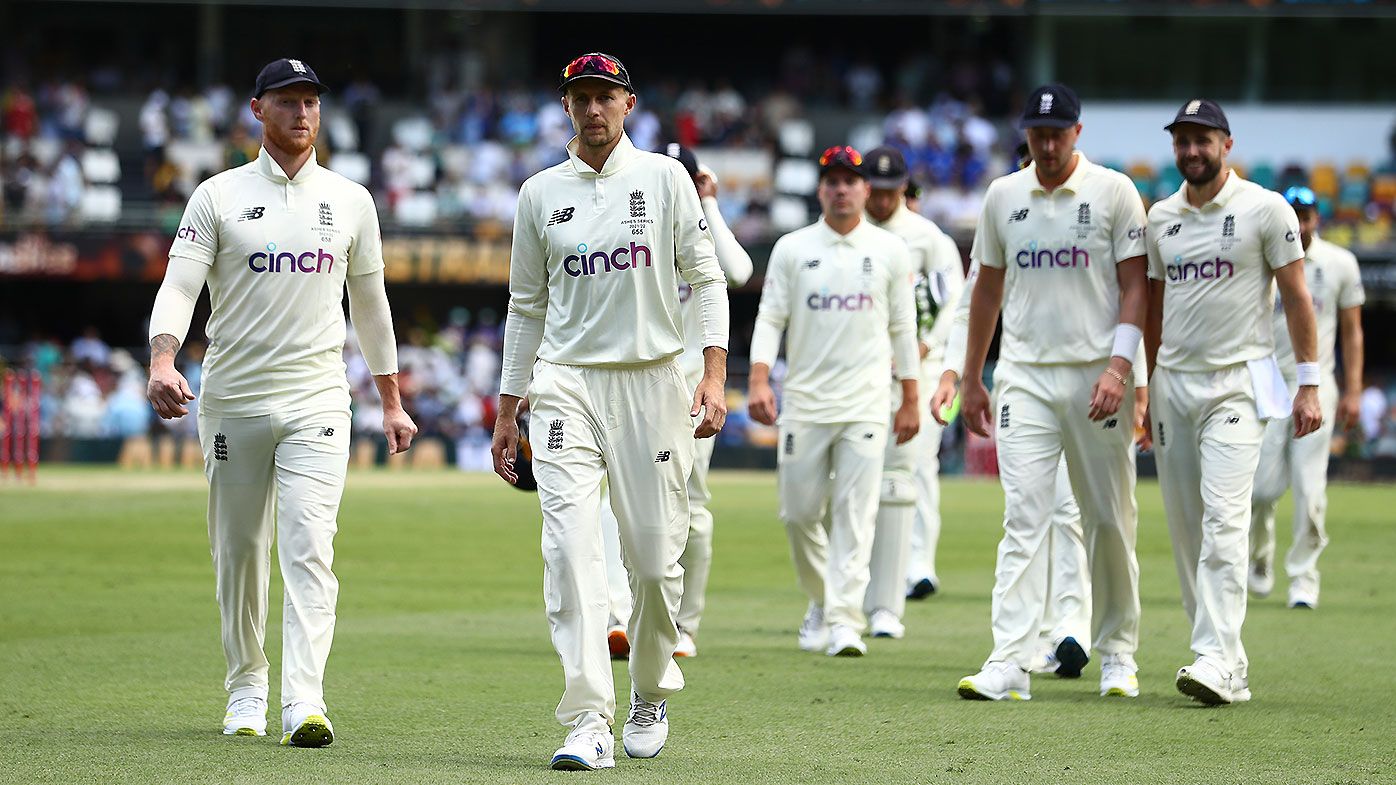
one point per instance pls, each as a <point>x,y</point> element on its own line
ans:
<point>1353,359</point>
<point>174,307</point>
<point>522,337</point>
<point>765,343</point>
<point>508,406</point>
<point>759,375</point>
<point>731,256</point>
<point>163,349</point>
<point>713,314</point>
<point>1303,329</point>
<point>715,364</point>
<point>373,323</point>
<point>388,391</point>
<point>911,394</point>
<point>984,306</point>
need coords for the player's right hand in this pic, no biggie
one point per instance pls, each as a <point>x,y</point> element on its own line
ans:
<point>944,396</point>
<point>761,403</point>
<point>505,447</point>
<point>974,406</point>
<point>168,392</point>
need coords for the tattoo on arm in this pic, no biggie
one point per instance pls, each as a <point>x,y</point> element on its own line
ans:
<point>163,346</point>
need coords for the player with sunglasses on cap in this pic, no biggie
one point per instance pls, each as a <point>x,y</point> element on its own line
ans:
<point>908,514</point>
<point>1335,286</point>
<point>840,290</point>
<point>698,553</point>
<point>277,241</point>
<point>594,327</point>
<point>1060,246</point>
<point>1215,246</point>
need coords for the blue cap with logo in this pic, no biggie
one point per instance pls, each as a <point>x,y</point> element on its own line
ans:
<point>1203,112</point>
<point>1051,106</point>
<point>286,71</point>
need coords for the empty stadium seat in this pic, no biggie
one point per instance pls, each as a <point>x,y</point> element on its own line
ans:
<point>416,209</point>
<point>339,128</point>
<point>355,166</point>
<point>101,203</point>
<point>796,176</point>
<point>99,127</point>
<point>414,133</point>
<point>101,166</point>
<point>789,213</point>
<point>797,138</point>
<point>45,150</point>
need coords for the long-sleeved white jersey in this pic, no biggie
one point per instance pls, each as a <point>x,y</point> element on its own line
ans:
<point>1335,285</point>
<point>845,303</point>
<point>935,256</point>
<point>736,266</point>
<point>596,262</point>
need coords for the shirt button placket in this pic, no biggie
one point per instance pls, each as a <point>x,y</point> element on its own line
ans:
<point>599,196</point>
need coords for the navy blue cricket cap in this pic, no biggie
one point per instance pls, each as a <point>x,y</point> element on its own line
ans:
<point>286,71</point>
<point>684,156</point>
<point>886,167</point>
<point>1204,112</point>
<point>1051,106</point>
<point>595,64</point>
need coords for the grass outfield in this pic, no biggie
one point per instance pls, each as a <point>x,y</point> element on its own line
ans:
<point>111,670</point>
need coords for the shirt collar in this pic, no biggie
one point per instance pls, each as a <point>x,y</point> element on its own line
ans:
<point>623,153</point>
<point>1228,190</point>
<point>268,167</point>
<point>891,219</point>
<point>833,237</point>
<point>1072,184</point>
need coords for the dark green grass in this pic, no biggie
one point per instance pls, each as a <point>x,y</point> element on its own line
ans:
<point>111,671</point>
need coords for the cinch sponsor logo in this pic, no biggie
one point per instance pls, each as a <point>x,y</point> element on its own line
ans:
<point>823,301</point>
<point>1033,256</point>
<point>289,262</point>
<point>583,263</point>
<point>1207,269</point>
<point>187,233</point>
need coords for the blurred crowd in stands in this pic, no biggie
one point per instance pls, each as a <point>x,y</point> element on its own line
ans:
<point>449,376</point>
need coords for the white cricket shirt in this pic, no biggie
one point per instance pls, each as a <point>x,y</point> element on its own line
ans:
<point>596,262</point>
<point>278,250</point>
<point>1217,266</point>
<point>736,267</point>
<point>1335,284</point>
<point>935,256</point>
<point>846,306</point>
<point>1058,250</point>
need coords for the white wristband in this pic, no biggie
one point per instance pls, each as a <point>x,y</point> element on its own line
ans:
<point>1127,338</point>
<point>1308,374</point>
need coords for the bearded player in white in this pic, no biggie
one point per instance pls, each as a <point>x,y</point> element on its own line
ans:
<point>1335,284</point>
<point>843,290</point>
<point>1217,247</point>
<point>277,241</point>
<point>600,243</point>
<point>1060,245</point>
<point>909,509</point>
<point>698,554</point>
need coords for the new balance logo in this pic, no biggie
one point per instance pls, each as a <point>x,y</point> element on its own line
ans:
<point>810,265</point>
<point>561,216</point>
<point>326,432</point>
<point>220,447</point>
<point>1018,215</point>
<point>662,457</point>
<point>869,435</point>
<point>1111,423</point>
<point>251,214</point>
<point>555,435</point>
<point>1172,230</point>
<point>1232,420</point>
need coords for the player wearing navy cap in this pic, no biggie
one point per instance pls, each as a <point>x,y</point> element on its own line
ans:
<point>277,241</point>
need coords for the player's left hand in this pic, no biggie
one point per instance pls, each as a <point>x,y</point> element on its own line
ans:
<point>706,183</point>
<point>399,429</point>
<point>1349,409</point>
<point>1308,415</point>
<point>1146,440</point>
<point>1107,393</point>
<point>1142,436</point>
<point>711,399</point>
<point>907,422</point>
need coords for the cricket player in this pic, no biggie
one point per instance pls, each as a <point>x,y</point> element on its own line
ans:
<point>1335,284</point>
<point>1060,244</point>
<point>910,499</point>
<point>698,554</point>
<point>277,241</point>
<point>843,290</point>
<point>1215,247</point>
<point>601,241</point>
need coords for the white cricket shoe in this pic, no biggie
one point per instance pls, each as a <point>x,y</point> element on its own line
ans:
<point>1207,682</point>
<point>246,717</point>
<point>647,729</point>
<point>305,725</point>
<point>997,681</point>
<point>1119,676</point>
<point>814,631</point>
<point>844,642</point>
<point>686,647</point>
<point>885,624</point>
<point>1303,593</point>
<point>1260,579</point>
<point>586,750</point>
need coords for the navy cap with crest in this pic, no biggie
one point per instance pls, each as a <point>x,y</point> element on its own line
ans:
<point>1051,106</point>
<point>1204,112</point>
<point>286,71</point>
<point>885,167</point>
<point>684,156</point>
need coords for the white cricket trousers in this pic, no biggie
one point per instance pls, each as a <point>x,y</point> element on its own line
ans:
<point>925,529</point>
<point>279,474</point>
<point>1207,441</point>
<point>831,559</point>
<point>1302,464</point>
<point>1042,412</point>
<point>630,427</point>
<point>697,558</point>
<point>896,516</point>
<point>1068,610</point>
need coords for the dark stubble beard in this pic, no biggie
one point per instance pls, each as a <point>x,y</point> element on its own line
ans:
<point>1210,170</point>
